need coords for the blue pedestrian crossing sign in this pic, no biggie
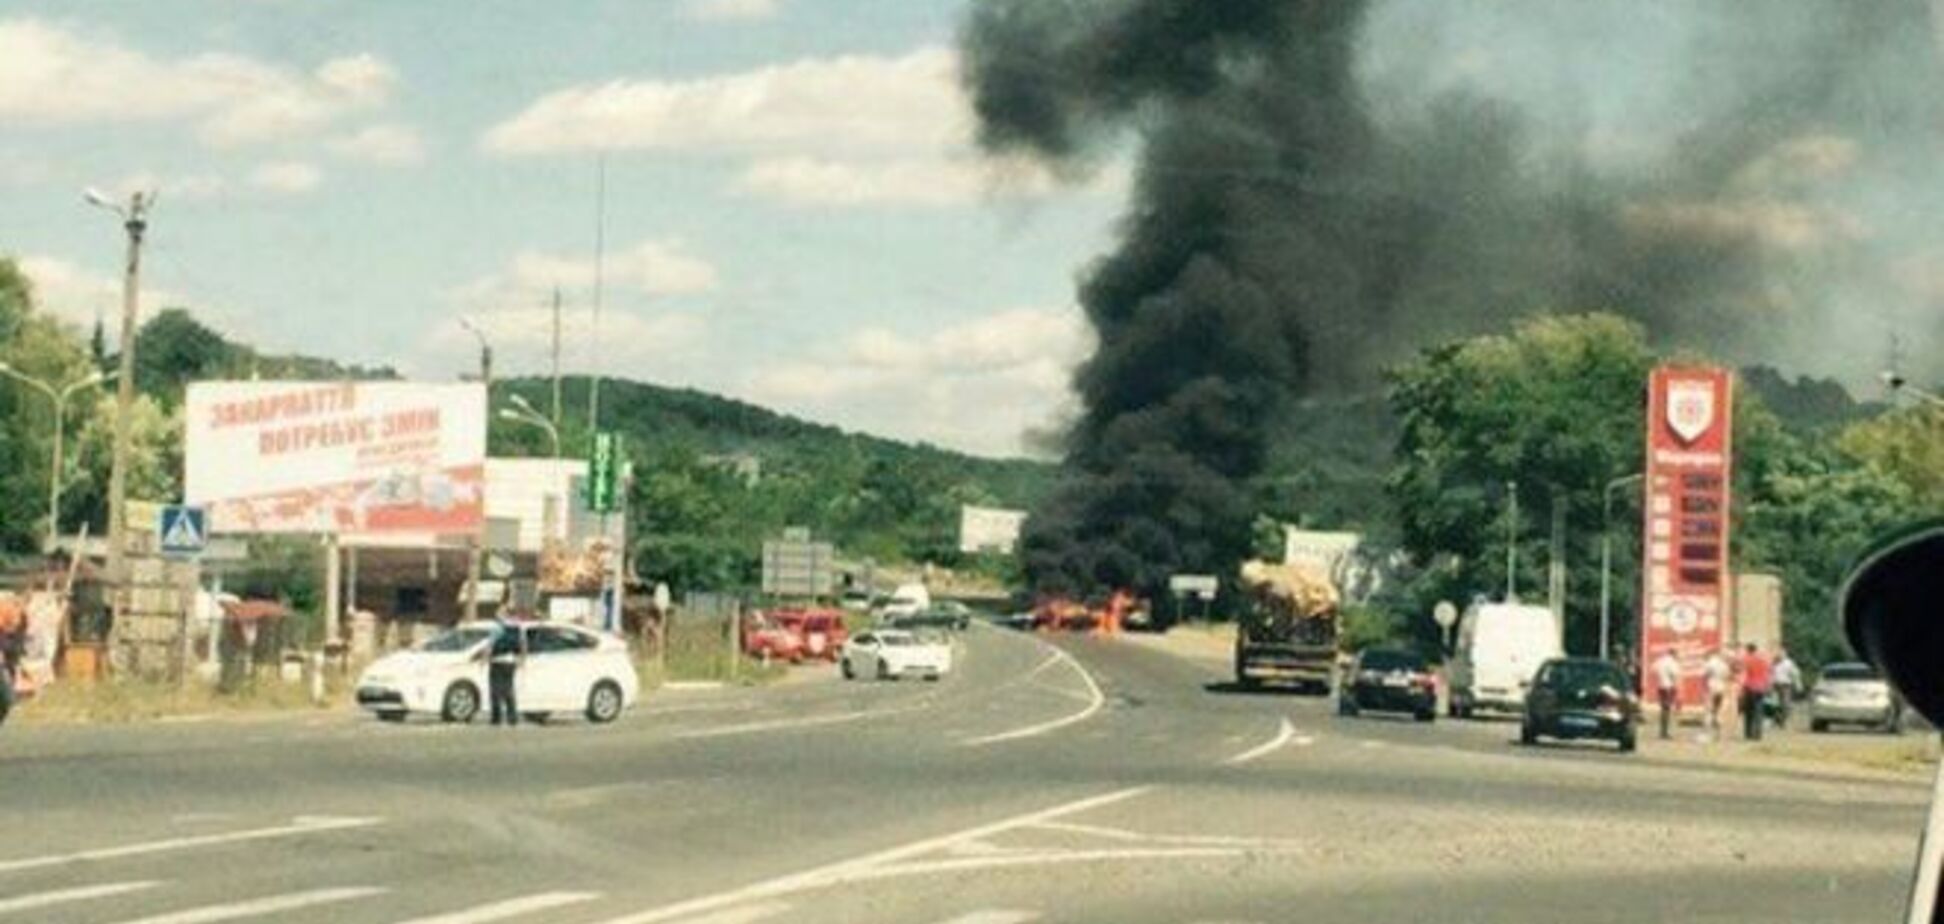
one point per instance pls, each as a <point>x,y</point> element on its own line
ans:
<point>184,530</point>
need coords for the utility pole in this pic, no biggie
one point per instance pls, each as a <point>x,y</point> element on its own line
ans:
<point>600,261</point>
<point>476,551</point>
<point>1512,541</point>
<point>135,223</point>
<point>556,359</point>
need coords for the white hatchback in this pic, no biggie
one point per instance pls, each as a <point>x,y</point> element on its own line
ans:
<point>563,669</point>
<point>892,653</point>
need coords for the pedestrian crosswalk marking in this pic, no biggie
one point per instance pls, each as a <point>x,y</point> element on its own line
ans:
<point>511,908</point>
<point>259,907</point>
<point>63,896</point>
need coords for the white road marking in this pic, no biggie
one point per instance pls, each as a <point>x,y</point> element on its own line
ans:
<point>511,908</point>
<point>302,824</point>
<point>63,896</point>
<point>862,867</point>
<point>748,914</point>
<point>1303,741</point>
<point>257,907</point>
<point>1283,736</point>
<point>1095,700</point>
<point>1045,858</point>
<point>777,725</point>
<point>995,916</point>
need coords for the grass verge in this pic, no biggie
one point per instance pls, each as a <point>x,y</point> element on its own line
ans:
<point>112,701</point>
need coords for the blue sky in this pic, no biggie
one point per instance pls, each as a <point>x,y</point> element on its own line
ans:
<point>795,215</point>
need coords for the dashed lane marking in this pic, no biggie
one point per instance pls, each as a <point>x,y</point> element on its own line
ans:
<point>866,866</point>
<point>301,825</point>
<point>259,907</point>
<point>1095,700</point>
<point>995,916</point>
<point>1284,735</point>
<point>511,908</point>
<point>747,914</point>
<point>63,896</point>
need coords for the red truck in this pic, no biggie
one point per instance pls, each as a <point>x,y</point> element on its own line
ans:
<point>794,635</point>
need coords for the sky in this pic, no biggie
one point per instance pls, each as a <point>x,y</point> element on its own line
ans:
<point>794,212</point>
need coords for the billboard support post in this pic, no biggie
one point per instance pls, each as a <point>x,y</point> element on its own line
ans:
<point>333,582</point>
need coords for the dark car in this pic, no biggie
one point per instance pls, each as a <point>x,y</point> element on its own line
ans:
<point>950,616</point>
<point>1580,698</point>
<point>1389,680</point>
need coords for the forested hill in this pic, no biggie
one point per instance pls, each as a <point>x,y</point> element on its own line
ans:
<point>656,421</point>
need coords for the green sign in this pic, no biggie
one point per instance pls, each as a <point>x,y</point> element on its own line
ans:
<point>604,473</point>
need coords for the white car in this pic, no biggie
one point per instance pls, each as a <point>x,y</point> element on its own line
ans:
<point>888,654</point>
<point>564,669</point>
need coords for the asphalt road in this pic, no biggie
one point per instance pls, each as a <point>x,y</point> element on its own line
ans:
<point>1100,781</point>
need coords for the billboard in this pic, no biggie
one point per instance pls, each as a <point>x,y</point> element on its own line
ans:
<point>989,529</point>
<point>1685,530</point>
<point>328,457</point>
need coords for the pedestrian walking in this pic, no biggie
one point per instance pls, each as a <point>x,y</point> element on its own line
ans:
<point>502,670</point>
<point>1788,685</point>
<point>1757,676</point>
<point>1667,688</point>
<point>1718,672</point>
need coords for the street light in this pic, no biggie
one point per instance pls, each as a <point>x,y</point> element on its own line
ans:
<point>524,413</point>
<point>1606,559</point>
<point>1897,383</point>
<point>58,395</point>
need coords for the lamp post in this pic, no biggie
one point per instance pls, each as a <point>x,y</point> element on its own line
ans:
<point>134,218</point>
<point>476,553</point>
<point>1606,559</point>
<point>58,395</point>
<point>524,413</point>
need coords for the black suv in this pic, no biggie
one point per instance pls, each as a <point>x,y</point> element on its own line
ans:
<point>1389,680</point>
<point>1581,698</point>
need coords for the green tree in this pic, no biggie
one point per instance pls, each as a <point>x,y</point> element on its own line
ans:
<point>174,349</point>
<point>1555,408</point>
<point>33,345</point>
<point>1907,445</point>
<point>155,458</point>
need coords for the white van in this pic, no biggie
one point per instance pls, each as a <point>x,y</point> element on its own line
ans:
<point>1500,647</point>
<point>907,600</point>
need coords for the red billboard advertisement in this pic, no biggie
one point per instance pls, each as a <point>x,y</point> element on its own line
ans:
<point>337,457</point>
<point>1685,531</point>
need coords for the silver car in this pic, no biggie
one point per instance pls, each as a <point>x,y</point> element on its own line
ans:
<point>1853,693</point>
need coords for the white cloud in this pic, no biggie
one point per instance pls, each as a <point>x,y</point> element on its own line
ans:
<point>839,132</point>
<point>286,177</point>
<point>69,292</point>
<point>51,73</point>
<point>651,268</point>
<point>847,103</point>
<point>934,182</point>
<point>77,295</point>
<point>195,187</point>
<point>729,10</point>
<point>390,145</point>
<point>979,385</point>
<point>522,338</point>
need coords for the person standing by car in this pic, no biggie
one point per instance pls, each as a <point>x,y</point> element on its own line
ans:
<point>1667,688</point>
<point>1718,673</point>
<point>1757,675</point>
<point>502,668</point>
<point>1788,684</point>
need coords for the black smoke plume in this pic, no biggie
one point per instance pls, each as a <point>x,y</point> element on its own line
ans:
<point>1324,186</point>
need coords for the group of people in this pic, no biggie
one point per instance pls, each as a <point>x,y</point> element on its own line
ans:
<point>1768,687</point>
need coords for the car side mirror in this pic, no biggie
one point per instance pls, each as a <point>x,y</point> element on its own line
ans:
<point>1892,608</point>
<point>1893,613</point>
